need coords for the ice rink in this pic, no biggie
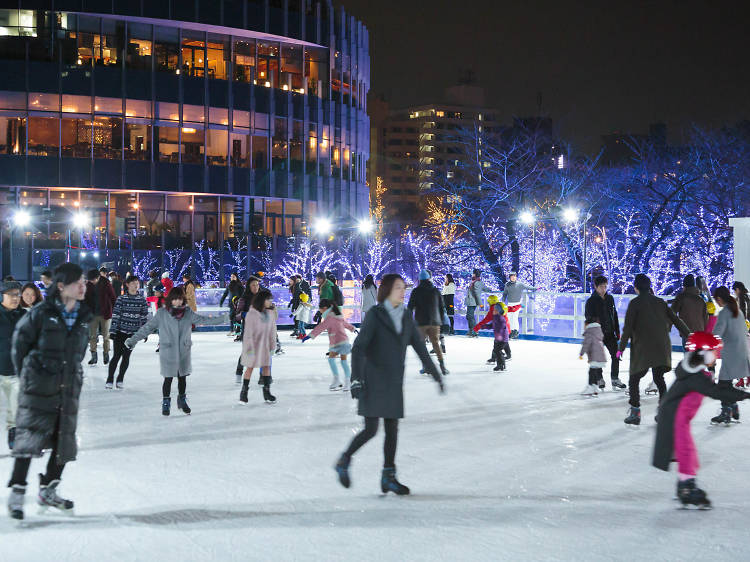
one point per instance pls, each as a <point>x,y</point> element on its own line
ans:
<point>509,466</point>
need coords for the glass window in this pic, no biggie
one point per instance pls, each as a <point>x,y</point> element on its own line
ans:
<point>192,144</point>
<point>268,64</point>
<point>166,140</point>
<point>107,137</point>
<point>137,141</point>
<point>76,138</point>
<point>193,113</point>
<point>204,220</point>
<point>150,220</point>
<point>44,136</point>
<point>216,147</point>
<point>260,153</point>
<point>18,23</point>
<point>12,135</point>
<point>193,55</point>
<point>312,150</point>
<point>218,115</point>
<point>111,42</point>
<point>108,105</point>
<point>324,148</point>
<point>168,111</point>
<point>239,150</point>
<point>296,145</point>
<point>44,102</point>
<point>217,57</point>
<point>179,221</point>
<point>140,46</point>
<point>76,104</point>
<point>260,121</point>
<point>291,67</point>
<point>279,145</point>
<point>122,213</point>
<point>244,60</point>
<point>316,69</point>
<point>166,49</point>
<point>85,46</point>
<point>241,118</point>
<point>138,108</point>
<point>13,100</point>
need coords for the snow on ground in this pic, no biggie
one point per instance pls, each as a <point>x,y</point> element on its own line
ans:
<point>511,466</point>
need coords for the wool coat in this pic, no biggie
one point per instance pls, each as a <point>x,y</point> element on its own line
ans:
<point>8,321</point>
<point>369,298</point>
<point>734,355</point>
<point>259,338</point>
<point>691,308</point>
<point>593,345</point>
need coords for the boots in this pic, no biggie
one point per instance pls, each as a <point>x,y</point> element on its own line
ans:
<point>342,469</point>
<point>106,358</point>
<point>725,416</point>
<point>93,359</point>
<point>166,404</point>
<point>11,437</point>
<point>634,418</point>
<point>243,394</point>
<point>182,404</point>
<point>267,396</point>
<point>617,384</point>
<point>388,483</point>
<point>16,500</point>
<point>48,496</point>
<point>689,494</point>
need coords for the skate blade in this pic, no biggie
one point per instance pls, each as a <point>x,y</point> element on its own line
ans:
<point>693,507</point>
<point>50,511</point>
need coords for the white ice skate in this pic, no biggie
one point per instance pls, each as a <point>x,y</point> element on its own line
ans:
<point>335,385</point>
<point>590,390</point>
<point>651,388</point>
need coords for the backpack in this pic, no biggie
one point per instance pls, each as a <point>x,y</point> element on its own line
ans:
<point>338,296</point>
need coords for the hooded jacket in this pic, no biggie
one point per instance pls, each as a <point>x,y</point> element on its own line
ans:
<point>593,346</point>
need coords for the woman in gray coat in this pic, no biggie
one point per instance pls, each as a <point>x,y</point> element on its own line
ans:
<point>378,357</point>
<point>174,322</point>
<point>730,326</point>
<point>369,295</point>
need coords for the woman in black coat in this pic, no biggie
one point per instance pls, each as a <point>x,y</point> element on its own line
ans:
<point>48,346</point>
<point>378,357</point>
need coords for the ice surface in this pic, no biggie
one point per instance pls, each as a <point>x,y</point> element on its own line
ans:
<point>511,466</point>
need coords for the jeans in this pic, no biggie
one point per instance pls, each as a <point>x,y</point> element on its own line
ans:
<point>635,379</point>
<point>371,428</point>
<point>9,387</point>
<point>301,328</point>
<point>472,321</point>
<point>121,352</point>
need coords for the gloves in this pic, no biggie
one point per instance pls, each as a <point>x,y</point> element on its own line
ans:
<point>129,344</point>
<point>580,357</point>
<point>356,389</point>
<point>618,354</point>
<point>305,338</point>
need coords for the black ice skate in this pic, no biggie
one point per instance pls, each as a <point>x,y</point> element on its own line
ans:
<point>735,412</point>
<point>388,483</point>
<point>182,404</point>
<point>499,367</point>
<point>16,500</point>
<point>692,496</point>
<point>268,397</point>
<point>600,384</point>
<point>106,358</point>
<point>342,469</point>
<point>617,384</point>
<point>725,416</point>
<point>243,395</point>
<point>634,417</point>
<point>166,404</point>
<point>93,359</point>
<point>48,497</point>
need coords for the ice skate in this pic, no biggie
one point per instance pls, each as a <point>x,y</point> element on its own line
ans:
<point>651,388</point>
<point>346,386</point>
<point>692,496</point>
<point>106,358</point>
<point>388,483</point>
<point>725,416</point>
<point>268,397</point>
<point>108,385</point>
<point>600,384</point>
<point>634,417</point>
<point>16,500</point>
<point>48,497</point>
<point>740,383</point>
<point>182,404</point>
<point>119,385</point>
<point>491,360</point>
<point>590,390</point>
<point>735,412</point>
<point>93,359</point>
<point>342,469</point>
<point>499,367</point>
<point>618,385</point>
<point>443,369</point>
<point>335,385</point>
<point>243,396</point>
<point>238,379</point>
<point>166,404</point>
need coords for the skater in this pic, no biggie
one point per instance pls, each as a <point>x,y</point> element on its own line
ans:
<point>512,295</point>
<point>167,283</point>
<point>473,300</point>
<point>743,300</point>
<point>369,295</point>
<point>30,296</point>
<point>449,300</point>
<point>325,287</point>
<point>426,303</point>
<point>295,292</point>
<point>648,321</point>
<point>501,332</point>
<point>593,347</point>
<point>234,291</point>
<point>674,441</point>
<point>100,298</point>
<point>189,287</point>
<point>303,315</point>
<point>174,324</point>
<point>48,346</point>
<point>338,342</point>
<point>46,278</point>
<point>258,343</point>
<point>153,283</point>
<point>690,306</point>
<point>10,314</point>
<point>243,305</point>
<point>601,305</point>
<point>378,358</point>
<point>731,328</point>
<point>129,314</point>
<point>116,282</point>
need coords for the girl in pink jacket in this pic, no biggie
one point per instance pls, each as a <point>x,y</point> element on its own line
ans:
<point>338,341</point>
<point>259,343</point>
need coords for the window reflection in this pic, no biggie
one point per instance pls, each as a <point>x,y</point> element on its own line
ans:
<point>239,150</point>
<point>140,47</point>
<point>291,67</point>
<point>166,140</point>
<point>76,104</point>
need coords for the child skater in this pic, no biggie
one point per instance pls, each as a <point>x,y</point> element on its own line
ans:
<point>259,343</point>
<point>593,346</point>
<point>303,315</point>
<point>679,406</point>
<point>174,322</point>
<point>338,341</point>
<point>497,315</point>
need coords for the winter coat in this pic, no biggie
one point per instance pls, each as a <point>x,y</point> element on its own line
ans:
<point>129,314</point>
<point>499,323</point>
<point>103,293</point>
<point>449,289</point>
<point>336,326</point>
<point>687,380</point>
<point>325,291</point>
<point>474,293</point>
<point>259,338</point>
<point>734,355</point>
<point>691,308</point>
<point>426,303</point>
<point>369,298</point>
<point>8,321</point>
<point>167,283</point>
<point>152,286</point>
<point>648,321</point>
<point>190,296</point>
<point>378,356</point>
<point>234,289</point>
<point>605,310</point>
<point>175,340</point>
<point>47,356</point>
<point>304,286</point>
<point>513,291</point>
<point>303,313</point>
<point>593,345</point>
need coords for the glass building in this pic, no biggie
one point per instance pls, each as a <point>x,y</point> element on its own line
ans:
<point>129,128</point>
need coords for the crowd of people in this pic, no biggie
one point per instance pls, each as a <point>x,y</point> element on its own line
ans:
<point>44,332</point>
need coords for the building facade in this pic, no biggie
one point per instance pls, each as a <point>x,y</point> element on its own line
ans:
<point>132,126</point>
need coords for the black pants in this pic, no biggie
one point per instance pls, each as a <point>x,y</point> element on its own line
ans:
<point>504,346</point>
<point>371,428</point>
<point>610,342</point>
<point>121,355</point>
<point>166,388</point>
<point>635,379</point>
<point>595,374</point>
<point>497,352</point>
<point>725,384</point>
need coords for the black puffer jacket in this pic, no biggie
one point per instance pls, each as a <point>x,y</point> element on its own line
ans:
<point>605,310</point>
<point>234,289</point>
<point>427,304</point>
<point>8,321</point>
<point>48,358</point>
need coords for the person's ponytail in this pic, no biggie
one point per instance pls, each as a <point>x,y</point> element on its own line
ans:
<point>729,301</point>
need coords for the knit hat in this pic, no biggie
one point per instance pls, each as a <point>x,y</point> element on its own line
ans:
<point>165,275</point>
<point>424,275</point>
<point>711,308</point>
<point>6,286</point>
<point>303,297</point>
<point>492,299</point>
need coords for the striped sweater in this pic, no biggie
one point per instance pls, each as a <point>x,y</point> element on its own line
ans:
<point>129,314</point>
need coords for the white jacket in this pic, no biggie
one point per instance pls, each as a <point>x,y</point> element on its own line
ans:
<point>303,313</point>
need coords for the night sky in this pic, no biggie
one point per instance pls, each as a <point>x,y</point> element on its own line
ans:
<point>600,66</point>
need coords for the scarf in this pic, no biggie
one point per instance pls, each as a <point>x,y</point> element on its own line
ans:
<point>177,312</point>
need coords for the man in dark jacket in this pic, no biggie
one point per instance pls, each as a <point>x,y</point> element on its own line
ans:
<point>601,306</point>
<point>690,306</point>
<point>648,322</point>
<point>10,314</point>
<point>426,303</point>
<point>153,283</point>
<point>100,298</point>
